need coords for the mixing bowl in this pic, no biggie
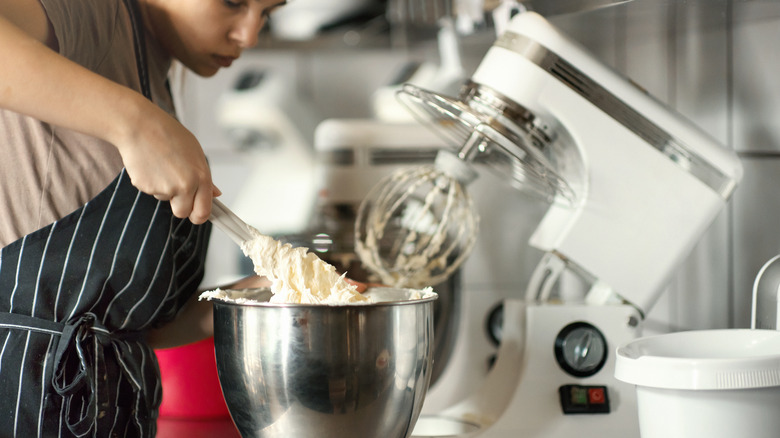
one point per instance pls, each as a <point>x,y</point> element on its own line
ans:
<point>297,370</point>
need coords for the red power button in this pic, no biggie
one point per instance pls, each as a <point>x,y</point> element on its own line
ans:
<point>596,396</point>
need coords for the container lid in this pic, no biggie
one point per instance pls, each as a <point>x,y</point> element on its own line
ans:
<point>702,360</point>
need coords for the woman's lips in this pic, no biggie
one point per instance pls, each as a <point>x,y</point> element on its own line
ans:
<point>224,61</point>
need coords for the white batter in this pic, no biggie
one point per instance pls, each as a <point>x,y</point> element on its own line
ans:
<point>297,275</point>
<point>300,277</point>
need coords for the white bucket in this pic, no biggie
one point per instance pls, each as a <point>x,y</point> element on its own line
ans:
<point>707,383</point>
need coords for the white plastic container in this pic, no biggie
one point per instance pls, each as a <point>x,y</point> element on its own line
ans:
<point>706,383</point>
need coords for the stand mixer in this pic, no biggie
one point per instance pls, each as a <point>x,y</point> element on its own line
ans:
<point>631,187</point>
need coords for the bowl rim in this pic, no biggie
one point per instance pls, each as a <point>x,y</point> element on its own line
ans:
<point>433,296</point>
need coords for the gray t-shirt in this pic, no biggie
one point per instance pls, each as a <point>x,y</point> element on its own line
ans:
<point>47,172</point>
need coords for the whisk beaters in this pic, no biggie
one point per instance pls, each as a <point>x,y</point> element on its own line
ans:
<point>418,225</point>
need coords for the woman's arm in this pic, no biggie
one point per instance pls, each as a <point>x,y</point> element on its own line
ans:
<point>195,321</point>
<point>161,156</point>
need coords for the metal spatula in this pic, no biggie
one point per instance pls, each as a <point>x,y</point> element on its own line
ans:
<point>230,224</point>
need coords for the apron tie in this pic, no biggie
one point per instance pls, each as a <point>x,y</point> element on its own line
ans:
<point>80,375</point>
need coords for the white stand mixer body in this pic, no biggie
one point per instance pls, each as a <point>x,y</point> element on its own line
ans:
<point>640,207</point>
<point>647,185</point>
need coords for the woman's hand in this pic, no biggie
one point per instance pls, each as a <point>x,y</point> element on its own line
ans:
<point>165,160</point>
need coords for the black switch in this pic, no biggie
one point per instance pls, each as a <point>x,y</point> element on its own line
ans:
<point>581,399</point>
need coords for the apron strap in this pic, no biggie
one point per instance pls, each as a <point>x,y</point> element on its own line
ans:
<point>140,47</point>
<point>80,373</point>
<point>24,322</point>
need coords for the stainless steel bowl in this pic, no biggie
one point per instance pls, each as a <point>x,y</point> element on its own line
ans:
<point>335,245</point>
<point>292,370</point>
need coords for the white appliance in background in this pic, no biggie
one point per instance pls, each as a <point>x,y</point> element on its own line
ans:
<point>303,19</point>
<point>444,76</point>
<point>631,187</point>
<point>263,115</point>
<point>354,154</point>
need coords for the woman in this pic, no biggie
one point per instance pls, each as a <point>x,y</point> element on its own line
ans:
<point>105,197</point>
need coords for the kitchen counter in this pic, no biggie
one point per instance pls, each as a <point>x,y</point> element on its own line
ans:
<point>196,428</point>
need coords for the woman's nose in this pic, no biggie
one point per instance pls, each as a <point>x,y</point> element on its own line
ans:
<point>247,30</point>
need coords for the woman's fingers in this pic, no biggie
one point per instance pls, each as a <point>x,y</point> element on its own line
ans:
<point>195,205</point>
<point>201,208</point>
<point>181,205</point>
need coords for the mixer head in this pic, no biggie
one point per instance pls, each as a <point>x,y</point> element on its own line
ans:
<point>419,225</point>
<point>485,127</point>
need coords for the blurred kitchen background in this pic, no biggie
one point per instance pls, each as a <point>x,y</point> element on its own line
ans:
<point>715,61</point>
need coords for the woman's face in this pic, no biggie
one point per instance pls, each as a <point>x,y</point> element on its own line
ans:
<point>206,35</point>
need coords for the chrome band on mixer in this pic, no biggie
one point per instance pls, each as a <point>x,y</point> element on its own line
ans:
<point>573,78</point>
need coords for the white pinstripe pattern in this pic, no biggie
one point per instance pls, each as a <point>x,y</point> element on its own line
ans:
<point>95,244</point>
<point>21,386</point>
<point>24,327</point>
<point>2,352</point>
<point>40,268</point>
<point>187,284</point>
<point>170,290</point>
<point>138,258</point>
<point>119,247</point>
<point>156,272</point>
<point>65,266</point>
<point>16,280</point>
<point>185,265</point>
<point>43,390</point>
<point>116,418</point>
<point>95,366</point>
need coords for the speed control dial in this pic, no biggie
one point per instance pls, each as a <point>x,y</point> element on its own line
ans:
<point>581,349</point>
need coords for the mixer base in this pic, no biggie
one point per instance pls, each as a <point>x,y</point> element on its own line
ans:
<point>521,398</point>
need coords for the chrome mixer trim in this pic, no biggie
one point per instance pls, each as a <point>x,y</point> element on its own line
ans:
<point>393,156</point>
<point>526,120</point>
<point>673,148</point>
<point>344,156</point>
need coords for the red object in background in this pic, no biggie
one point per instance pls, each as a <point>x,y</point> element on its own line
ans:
<point>190,382</point>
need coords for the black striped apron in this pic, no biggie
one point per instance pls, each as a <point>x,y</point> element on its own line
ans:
<point>75,300</point>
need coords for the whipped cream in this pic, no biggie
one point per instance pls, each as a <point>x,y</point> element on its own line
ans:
<point>373,295</point>
<point>235,296</point>
<point>297,275</point>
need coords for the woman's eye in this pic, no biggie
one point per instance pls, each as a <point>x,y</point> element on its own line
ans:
<point>232,4</point>
<point>272,9</point>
